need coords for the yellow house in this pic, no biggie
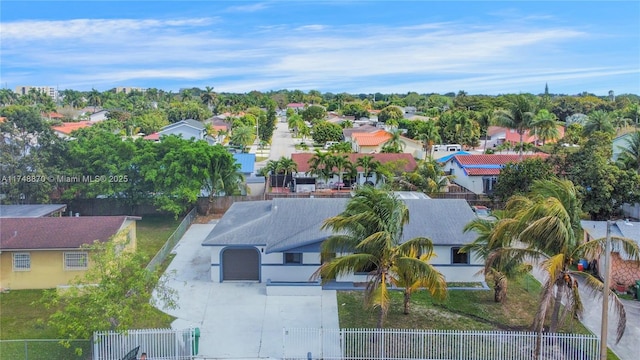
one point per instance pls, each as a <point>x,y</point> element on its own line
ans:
<point>43,253</point>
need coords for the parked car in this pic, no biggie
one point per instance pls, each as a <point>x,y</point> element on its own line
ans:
<point>482,212</point>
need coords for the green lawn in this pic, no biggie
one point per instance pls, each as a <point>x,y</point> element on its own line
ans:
<point>153,232</point>
<point>463,310</point>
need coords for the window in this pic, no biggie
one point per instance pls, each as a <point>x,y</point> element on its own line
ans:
<point>457,257</point>
<point>76,260</point>
<point>293,258</point>
<point>21,262</point>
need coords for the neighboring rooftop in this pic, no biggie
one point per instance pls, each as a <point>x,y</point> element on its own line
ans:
<point>478,165</point>
<point>31,211</point>
<point>58,232</point>
<point>302,160</point>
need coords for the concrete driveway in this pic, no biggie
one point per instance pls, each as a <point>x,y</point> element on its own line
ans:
<point>237,320</point>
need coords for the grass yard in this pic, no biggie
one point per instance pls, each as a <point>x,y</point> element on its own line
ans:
<point>463,310</point>
<point>153,231</point>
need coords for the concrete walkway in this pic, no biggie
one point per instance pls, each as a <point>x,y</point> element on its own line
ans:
<point>237,320</point>
<point>629,346</point>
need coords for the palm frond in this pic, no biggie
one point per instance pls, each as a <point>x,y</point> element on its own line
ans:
<point>342,265</point>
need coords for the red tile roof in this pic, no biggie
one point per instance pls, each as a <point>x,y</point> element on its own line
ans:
<point>302,160</point>
<point>57,232</point>
<point>514,137</point>
<point>67,128</point>
<point>53,115</point>
<point>154,136</point>
<point>370,139</point>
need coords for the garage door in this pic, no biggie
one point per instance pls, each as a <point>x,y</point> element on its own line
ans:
<point>240,264</point>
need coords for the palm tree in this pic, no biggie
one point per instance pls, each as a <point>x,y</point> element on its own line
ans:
<point>599,120</point>
<point>224,176</point>
<point>286,165</point>
<point>94,98</point>
<point>368,237</point>
<point>547,222</point>
<point>394,144</point>
<point>545,125</point>
<point>630,155</point>
<point>319,165</point>
<point>429,135</point>
<point>208,97</point>
<point>517,116</point>
<point>368,165</point>
<point>242,135</point>
<point>487,245</point>
<point>341,162</point>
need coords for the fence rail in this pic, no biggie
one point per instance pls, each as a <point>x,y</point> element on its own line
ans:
<point>435,344</point>
<point>173,239</point>
<point>159,344</point>
<point>44,349</point>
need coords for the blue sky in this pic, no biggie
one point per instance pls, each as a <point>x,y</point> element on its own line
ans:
<point>481,47</point>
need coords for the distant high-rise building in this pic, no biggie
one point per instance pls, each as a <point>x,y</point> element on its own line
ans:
<point>128,89</point>
<point>48,90</point>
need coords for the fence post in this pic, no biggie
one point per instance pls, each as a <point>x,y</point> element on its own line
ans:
<point>26,350</point>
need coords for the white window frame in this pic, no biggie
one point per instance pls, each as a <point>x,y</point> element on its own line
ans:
<point>69,258</point>
<point>17,262</point>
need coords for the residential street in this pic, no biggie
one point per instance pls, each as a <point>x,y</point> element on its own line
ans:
<point>282,144</point>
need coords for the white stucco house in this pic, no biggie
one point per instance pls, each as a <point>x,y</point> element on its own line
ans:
<point>278,241</point>
<point>479,173</point>
<point>186,129</point>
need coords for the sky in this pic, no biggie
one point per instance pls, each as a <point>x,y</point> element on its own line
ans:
<point>481,47</point>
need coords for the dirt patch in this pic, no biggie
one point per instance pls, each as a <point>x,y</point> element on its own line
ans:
<point>205,219</point>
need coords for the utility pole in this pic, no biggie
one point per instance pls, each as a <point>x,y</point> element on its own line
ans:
<point>605,294</point>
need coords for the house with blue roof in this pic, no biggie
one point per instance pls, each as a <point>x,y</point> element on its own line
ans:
<point>247,162</point>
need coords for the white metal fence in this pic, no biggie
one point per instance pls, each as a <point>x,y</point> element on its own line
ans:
<point>435,344</point>
<point>159,344</point>
<point>172,240</point>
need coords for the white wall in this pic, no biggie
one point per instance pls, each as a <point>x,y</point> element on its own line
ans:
<point>473,183</point>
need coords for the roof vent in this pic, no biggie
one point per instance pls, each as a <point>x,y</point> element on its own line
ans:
<point>627,222</point>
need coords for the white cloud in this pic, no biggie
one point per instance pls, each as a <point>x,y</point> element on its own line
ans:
<point>247,8</point>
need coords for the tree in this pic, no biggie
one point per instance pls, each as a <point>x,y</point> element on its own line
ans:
<point>599,121</point>
<point>187,109</point>
<point>319,165</point>
<point>429,135</point>
<point>394,144</point>
<point>391,112</point>
<point>545,126</point>
<point>630,155</point>
<point>488,245</point>
<point>208,97</point>
<point>151,121</point>
<point>313,113</point>
<point>367,237</point>
<point>516,178</point>
<point>518,116</point>
<point>341,163</point>
<point>547,221</point>
<point>111,295</point>
<point>286,166</point>
<point>224,174</point>
<point>428,177</point>
<point>369,166</point>
<point>243,136</point>
<point>325,131</point>
<point>94,98</point>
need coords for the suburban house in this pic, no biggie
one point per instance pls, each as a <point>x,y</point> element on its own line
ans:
<point>98,116</point>
<point>402,161</point>
<point>624,270</point>
<point>498,135</point>
<point>247,162</point>
<point>45,252</point>
<point>297,107</point>
<point>479,173</point>
<point>286,257</point>
<point>65,129</point>
<point>369,143</point>
<point>187,129</point>
<point>32,210</point>
<point>348,132</point>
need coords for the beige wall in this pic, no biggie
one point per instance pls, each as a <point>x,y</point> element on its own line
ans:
<point>47,266</point>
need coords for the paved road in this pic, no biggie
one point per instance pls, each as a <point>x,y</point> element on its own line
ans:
<point>237,320</point>
<point>282,144</point>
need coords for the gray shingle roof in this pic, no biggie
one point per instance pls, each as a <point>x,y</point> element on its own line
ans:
<point>33,210</point>
<point>285,223</point>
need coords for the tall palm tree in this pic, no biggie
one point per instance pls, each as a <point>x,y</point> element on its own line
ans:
<point>94,98</point>
<point>368,165</point>
<point>429,135</point>
<point>208,97</point>
<point>242,135</point>
<point>630,155</point>
<point>518,116</point>
<point>545,125</point>
<point>599,120</point>
<point>547,222</point>
<point>287,166</point>
<point>487,245</point>
<point>341,163</point>
<point>368,237</point>
<point>394,144</point>
<point>319,165</point>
